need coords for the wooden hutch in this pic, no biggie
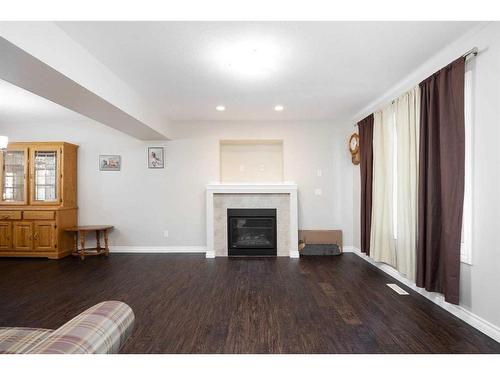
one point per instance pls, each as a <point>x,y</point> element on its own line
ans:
<point>38,199</point>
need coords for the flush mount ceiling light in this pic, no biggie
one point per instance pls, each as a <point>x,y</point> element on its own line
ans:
<point>220,108</point>
<point>279,108</point>
<point>248,58</point>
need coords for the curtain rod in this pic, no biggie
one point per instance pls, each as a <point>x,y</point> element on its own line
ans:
<point>471,53</point>
<point>467,55</point>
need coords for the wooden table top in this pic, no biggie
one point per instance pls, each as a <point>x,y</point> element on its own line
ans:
<point>85,228</point>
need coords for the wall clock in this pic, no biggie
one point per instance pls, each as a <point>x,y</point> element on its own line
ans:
<point>354,148</point>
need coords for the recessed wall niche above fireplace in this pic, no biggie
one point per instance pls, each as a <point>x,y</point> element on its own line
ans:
<point>251,231</point>
<point>251,161</point>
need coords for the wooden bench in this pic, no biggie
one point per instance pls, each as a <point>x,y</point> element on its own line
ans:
<point>81,231</point>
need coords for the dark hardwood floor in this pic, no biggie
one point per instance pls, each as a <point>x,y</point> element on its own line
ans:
<point>189,304</point>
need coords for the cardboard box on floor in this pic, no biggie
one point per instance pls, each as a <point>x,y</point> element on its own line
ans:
<point>321,237</point>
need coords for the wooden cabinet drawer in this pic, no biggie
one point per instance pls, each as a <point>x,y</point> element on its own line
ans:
<point>10,215</point>
<point>38,215</point>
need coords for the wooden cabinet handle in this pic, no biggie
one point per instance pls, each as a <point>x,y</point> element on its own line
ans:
<point>36,236</point>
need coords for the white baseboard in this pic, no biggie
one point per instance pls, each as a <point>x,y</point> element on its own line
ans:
<point>157,249</point>
<point>460,312</point>
<point>292,254</point>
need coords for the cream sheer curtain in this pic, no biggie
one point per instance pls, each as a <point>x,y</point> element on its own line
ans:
<point>395,183</point>
<point>382,244</point>
<point>407,108</point>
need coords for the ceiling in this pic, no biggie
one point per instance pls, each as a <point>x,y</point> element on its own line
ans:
<point>316,70</point>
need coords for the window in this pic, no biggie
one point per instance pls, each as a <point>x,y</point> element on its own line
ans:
<point>395,180</point>
<point>466,243</point>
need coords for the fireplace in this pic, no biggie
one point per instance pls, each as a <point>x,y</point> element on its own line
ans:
<point>251,231</point>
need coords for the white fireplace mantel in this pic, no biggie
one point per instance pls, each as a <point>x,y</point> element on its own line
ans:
<point>252,188</point>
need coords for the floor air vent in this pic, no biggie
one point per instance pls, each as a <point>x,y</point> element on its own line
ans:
<point>398,289</point>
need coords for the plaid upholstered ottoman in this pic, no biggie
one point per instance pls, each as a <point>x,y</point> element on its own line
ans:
<point>103,328</point>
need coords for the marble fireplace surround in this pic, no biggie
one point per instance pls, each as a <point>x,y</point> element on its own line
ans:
<point>282,196</point>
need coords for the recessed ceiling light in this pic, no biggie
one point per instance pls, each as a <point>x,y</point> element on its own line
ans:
<point>220,108</point>
<point>279,108</point>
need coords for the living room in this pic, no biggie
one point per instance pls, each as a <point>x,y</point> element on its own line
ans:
<point>249,186</point>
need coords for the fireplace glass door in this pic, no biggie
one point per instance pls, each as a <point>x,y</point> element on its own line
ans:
<point>252,232</point>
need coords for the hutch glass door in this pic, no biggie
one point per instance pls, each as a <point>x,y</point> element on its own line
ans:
<point>45,172</point>
<point>14,176</point>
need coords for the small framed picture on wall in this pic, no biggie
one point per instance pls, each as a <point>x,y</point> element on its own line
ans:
<point>110,162</point>
<point>155,157</point>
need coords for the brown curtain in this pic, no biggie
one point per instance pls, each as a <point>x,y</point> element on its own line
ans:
<point>441,181</point>
<point>365,127</point>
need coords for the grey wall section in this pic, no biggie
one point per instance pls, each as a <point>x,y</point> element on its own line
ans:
<point>479,281</point>
<point>143,202</point>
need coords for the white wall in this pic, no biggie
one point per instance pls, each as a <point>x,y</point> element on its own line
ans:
<point>143,202</point>
<point>479,282</point>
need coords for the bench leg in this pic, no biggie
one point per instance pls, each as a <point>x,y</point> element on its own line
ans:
<point>106,245</point>
<point>82,245</point>
<point>98,240</point>
<point>75,239</point>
